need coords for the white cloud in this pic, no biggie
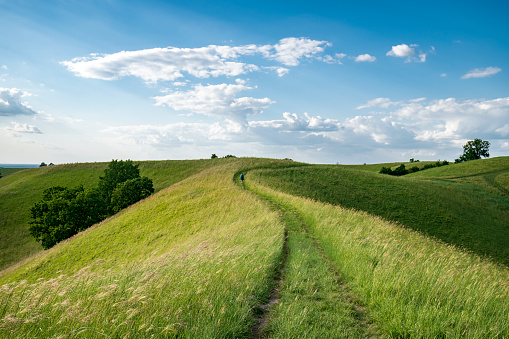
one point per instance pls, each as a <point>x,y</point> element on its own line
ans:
<point>5,67</point>
<point>289,51</point>
<point>365,58</point>
<point>10,102</point>
<point>172,63</point>
<point>401,51</point>
<point>409,52</point>
<point>293,122</point>
<point>215,100</point>
<point>481,72</point>
<point>378,102</point>
<point>443,75</point>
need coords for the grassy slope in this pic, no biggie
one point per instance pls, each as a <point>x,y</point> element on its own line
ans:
<point>9,170</point>
<point>20,191</point>
<point>191,260</point>
<point>463,214</point>
<point>411,285</point>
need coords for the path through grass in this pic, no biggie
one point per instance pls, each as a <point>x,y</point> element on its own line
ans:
<point>412,286</point>
<point>312,302</point>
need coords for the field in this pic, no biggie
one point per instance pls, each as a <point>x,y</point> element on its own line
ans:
<point>207,256</point>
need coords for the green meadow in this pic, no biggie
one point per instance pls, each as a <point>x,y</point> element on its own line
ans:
<point>298,250</point>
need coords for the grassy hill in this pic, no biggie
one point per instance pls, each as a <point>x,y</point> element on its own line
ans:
<point>463,213</point>
<point>208,257</point>
<point>20,191</point>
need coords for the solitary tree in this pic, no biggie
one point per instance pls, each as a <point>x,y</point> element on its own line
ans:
<point>474,149</point>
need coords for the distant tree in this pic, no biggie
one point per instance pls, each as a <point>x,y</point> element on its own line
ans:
<point>229,156</point>
<point>43,164</point>
<point>129,192</point>
<point>63,212</point>
<point>214,156</point>
<point>474,149</point>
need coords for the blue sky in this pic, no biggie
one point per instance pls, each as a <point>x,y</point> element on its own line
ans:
<point>321,82</point>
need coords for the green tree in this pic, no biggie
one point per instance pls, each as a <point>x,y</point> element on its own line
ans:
<point>474,149</point>
<point>213,156</point>
<point>129,192</point>
<point>116,173</point>
<point>63,212</point>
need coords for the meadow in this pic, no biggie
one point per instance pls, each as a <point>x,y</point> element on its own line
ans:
<point>18,193</point>
<point>444,203</point>
<point>209,257</point>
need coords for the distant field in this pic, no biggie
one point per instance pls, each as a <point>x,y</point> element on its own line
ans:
<point>464,214</point>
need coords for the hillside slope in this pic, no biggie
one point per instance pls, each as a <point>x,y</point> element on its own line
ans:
<point>471,215</point>
<point>20,191</point>
<point>191,260</point>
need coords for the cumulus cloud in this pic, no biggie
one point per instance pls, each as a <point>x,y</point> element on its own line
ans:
<point>289,51</point>
<point>215,100</point>
<point>481,72</point>
<point>172,63</point>
<point>401,51</point>
<point>409,52</point>
<point>10,102</point>
<point>365,58</point>
<point>293,122</point>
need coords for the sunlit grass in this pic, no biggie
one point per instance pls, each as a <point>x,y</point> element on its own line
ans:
<point>190,261</point>
<point>411,285</point>
<point>20,191</point>
<point>460,213</point>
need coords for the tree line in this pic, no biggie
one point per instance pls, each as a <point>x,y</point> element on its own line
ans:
<point>63,212</point>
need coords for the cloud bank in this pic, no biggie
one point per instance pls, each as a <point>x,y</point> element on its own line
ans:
<point>172,63</point>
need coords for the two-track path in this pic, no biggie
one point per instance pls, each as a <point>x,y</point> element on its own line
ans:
<point>308,298</point>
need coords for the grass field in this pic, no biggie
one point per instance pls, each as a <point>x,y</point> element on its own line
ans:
<point>190,261</point>
<point>208,257</point>
<point>462,213</point>
<point>410,285</point>
<point>20,191</point>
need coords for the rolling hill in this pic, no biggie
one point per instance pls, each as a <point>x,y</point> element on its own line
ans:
<point>206,256</point>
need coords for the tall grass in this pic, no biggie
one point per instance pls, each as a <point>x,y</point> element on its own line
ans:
<point>411,285</point>
<point>459,213</point>
<point>311,302</point>
<point>193,260</point>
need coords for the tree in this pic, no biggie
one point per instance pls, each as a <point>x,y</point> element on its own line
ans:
<point>116,173</point>
<point>129,192</point>
<point>63,212</point>
<point>43,164</point>
<point>474,149</point>
<point>213,156</point>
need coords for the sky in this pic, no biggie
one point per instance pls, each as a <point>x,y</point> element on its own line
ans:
<point>346,82</point>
